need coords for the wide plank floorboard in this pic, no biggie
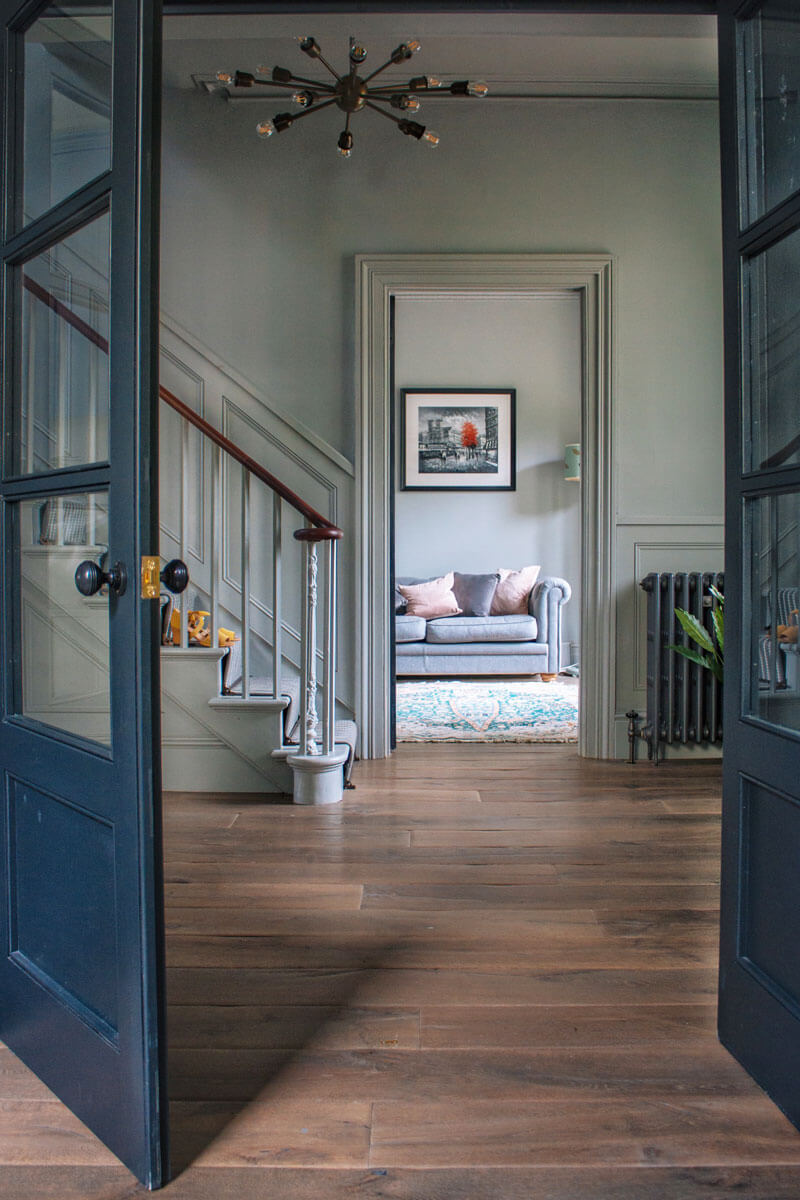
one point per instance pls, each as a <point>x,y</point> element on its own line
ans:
<point>489,974</point>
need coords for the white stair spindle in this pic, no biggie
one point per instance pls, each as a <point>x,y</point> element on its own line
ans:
<point>216,539</point>
<point>184,529</point>
<point>64,394</point>
<point>30,390</point>
<point>245,578</point>
<point>277,595</point>
<point>329,651</point>
<point>93,352</point>
<point>308,689</point>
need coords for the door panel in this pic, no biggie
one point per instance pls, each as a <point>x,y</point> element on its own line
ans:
<point>759,986</point>
<point>81,906</point>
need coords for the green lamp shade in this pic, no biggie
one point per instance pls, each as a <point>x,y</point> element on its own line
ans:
<point>572,463</point>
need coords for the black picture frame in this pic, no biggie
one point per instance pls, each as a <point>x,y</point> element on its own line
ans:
<point>458,439</point>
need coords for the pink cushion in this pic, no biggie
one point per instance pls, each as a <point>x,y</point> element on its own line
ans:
<point>513,591</point>
<point>432,599</point>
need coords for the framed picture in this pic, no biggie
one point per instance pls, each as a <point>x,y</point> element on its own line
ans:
<point>458,439</point>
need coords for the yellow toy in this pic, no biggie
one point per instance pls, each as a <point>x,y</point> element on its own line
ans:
<point>788,633</point>
<point>198,634</point>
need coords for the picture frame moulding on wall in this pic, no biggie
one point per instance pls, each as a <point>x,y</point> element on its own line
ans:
<point>458,439</point>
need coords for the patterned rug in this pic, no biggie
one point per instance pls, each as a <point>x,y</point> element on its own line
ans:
<point>495,710</point>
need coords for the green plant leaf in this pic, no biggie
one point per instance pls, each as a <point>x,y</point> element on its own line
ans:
<point>697,632</point>
<point>718,619</point>
<point>716,593</point>
<point>694,656</point>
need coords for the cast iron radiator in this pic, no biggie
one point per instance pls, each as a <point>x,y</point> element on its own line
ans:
<point>684,700</point>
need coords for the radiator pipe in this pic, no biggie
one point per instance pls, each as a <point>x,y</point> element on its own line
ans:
<point>633,733</point>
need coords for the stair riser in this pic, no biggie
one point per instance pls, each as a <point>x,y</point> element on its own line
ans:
<point>207,748</point>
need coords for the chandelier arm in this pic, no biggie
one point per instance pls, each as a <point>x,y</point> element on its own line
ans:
<point>316,83</point>
<point>328,66</point>
<point>314,108</point>
<point>399,87</point>
<point>323,88</point>
<point>374,107</point>
<point>388,63</point>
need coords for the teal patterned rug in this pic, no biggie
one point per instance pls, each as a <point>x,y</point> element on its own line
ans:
<point>494,710</point>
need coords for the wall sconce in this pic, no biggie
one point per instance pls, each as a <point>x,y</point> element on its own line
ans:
<point>572,463</point>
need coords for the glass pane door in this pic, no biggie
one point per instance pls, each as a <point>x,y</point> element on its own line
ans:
<point>81,910</point>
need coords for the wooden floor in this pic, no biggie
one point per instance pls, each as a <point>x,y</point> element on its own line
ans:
<point>488,975</point>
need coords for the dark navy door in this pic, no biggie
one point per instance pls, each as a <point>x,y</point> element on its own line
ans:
<point>759,1013</point>
<point>80,898</point>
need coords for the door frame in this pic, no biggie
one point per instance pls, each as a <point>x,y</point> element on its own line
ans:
<point>380,278</point>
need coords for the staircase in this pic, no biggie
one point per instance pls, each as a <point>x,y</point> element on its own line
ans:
<point>243,716</point>
<point>250,703</point>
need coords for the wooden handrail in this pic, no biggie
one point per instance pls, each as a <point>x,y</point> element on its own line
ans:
<point>324,530</point>
<point>780,456</point>
<point>65,313</point>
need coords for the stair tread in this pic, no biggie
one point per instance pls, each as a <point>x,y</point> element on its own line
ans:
<point>261,685</point>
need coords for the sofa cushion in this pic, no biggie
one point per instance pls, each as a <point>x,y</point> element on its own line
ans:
<point>454,630</point>
<point>432,599</point>
<point>400,604</point>
<point>409,629</point>
<point>513,591</point>
<point>474,593</point>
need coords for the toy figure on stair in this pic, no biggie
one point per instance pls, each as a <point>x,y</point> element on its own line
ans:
<point>196,626</point>
<point>788,633</point>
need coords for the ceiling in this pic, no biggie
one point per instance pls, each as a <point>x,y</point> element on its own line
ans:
<point>515,53</point>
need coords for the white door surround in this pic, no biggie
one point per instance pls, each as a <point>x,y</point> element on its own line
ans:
<point>378,279</point>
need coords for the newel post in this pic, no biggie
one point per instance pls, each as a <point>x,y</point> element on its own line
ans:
<point>317,768</point>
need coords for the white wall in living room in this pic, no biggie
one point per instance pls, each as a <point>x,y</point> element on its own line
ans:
<point>532,344</point>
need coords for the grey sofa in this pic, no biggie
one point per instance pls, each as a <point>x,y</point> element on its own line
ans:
<point>515,645</point>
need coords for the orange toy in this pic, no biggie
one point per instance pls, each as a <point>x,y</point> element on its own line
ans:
<point>198,634</point>
<point>788,633</point>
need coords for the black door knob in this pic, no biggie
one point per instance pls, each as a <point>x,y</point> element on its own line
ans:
<point>90,577</point>
<point>175,576</point>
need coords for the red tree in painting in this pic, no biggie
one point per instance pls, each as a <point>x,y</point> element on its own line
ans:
<point>469,435</point>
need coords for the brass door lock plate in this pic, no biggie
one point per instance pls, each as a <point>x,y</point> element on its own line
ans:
<point>151,578</point>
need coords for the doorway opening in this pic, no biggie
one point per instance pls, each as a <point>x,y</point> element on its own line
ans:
<point>487,396</point>
<point>582,279</point>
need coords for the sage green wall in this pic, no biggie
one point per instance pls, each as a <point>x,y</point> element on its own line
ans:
<point>259,239</point>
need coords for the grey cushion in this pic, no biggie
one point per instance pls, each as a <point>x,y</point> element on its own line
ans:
<point>474,593</point>
<point>409,629</point>
<point>449,630</point>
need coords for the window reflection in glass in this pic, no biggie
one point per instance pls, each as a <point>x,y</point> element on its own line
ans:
<point>65,636</point>
<point>772,673</point>
<point>772,374</point>
<point>61,413</point>
<point>67,107</point>
<point>769,98</point>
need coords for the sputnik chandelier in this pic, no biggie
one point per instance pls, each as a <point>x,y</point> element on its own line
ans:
<point>351,92</point>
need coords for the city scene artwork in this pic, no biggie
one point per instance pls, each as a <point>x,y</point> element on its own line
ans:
<point>458,440</point>
<point>461,441</point>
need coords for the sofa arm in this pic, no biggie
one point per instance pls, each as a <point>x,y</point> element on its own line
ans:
<point>547,599</point>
